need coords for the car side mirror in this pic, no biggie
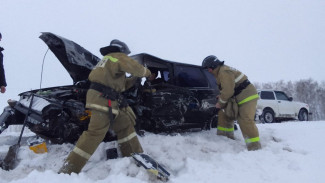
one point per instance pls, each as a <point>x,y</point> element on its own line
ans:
<point>290,98</point>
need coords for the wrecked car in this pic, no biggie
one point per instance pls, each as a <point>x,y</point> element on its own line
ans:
<point>183,101</point>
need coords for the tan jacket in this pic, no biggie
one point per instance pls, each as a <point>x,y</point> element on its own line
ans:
<point>110,71</point>
<point>228,79</point>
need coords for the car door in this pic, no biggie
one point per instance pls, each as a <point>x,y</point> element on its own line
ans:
<point>286,106</point>
<point>197,81</point>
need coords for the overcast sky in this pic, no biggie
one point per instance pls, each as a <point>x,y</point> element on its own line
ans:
<point>267,40</point>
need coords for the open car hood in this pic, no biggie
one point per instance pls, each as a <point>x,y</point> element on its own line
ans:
<point>75,59</point>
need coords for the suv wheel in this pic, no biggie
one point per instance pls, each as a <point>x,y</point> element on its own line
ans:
<point>303,115</point>
<point>214,122</point>
<point>268,116</point>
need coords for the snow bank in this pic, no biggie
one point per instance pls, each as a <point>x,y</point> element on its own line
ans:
<point>292,151</point>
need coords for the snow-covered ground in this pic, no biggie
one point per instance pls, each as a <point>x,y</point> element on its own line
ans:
<point>253,36</point>
<point>292,152</point>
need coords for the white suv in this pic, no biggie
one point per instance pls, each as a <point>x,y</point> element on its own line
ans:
<point>276,105</point>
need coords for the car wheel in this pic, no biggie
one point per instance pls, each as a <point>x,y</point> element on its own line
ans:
<point>268,116</point>
<point>303,115</point>
<point>214,122</point>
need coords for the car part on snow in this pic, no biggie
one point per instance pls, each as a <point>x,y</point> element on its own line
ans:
<point>111,153</point>
<point>151,165</point>
<point>38,145</point>
<point>9,161</point>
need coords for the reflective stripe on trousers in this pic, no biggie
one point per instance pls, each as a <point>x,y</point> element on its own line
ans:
<point>81,153</point>
<point>248,99</point>
<point>255,139</point>
<point>225,129</point>
<point>125,139</point>
<point>101,108</point>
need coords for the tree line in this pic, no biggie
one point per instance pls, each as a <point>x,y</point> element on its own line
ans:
<point>308,91</point>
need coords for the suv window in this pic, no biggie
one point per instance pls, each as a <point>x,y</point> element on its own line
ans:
<point>211,78</point>
<point>165,75</point>
<point>267,95</point>
<point>281,96</point>
<point>190,77</point>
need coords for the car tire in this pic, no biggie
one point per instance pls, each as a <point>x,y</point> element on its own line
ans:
<point>303,115</point>
<point>214,122</point>
<point>268,116</point>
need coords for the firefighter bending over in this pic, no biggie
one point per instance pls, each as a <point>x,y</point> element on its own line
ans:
<point>108,108</point>
<point>240,95</point>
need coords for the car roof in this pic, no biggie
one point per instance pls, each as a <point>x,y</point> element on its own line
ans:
<point>265,90</point>
<point>269,90</point>
<point>144,57</point>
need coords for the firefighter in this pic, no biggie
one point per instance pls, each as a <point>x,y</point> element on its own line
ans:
<point>109,110</point>
<point>234,86</point>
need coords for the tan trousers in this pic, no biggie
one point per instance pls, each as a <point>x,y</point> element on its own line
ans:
<point>246,122</point>
<point>123,126</point>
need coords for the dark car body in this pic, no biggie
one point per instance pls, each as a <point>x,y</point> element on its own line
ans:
<point>184,101</point>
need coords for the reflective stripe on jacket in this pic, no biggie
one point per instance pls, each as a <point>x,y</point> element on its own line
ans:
<point>228,79</point>
<point>111,71</point>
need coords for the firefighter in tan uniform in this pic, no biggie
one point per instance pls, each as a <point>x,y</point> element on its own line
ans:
<point>234,85</point>
<point>108,108</point>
